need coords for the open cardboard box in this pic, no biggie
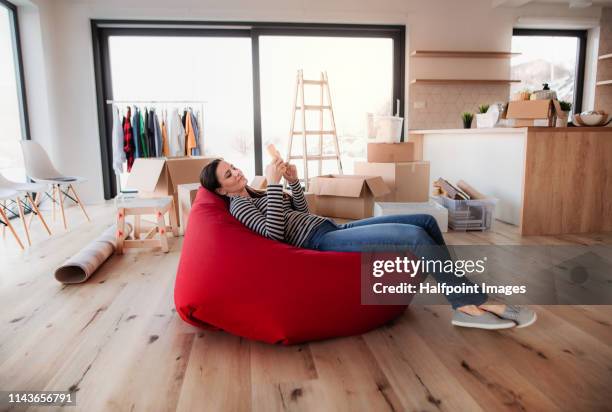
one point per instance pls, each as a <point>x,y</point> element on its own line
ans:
<point>408,181</point>
<point>533,112</point>
<point>346,196</point>
<point>154,177</point>
<point>391,152</point>
<point>186,196</point>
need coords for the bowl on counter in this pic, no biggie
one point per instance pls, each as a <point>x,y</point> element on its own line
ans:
<point>592,119</point>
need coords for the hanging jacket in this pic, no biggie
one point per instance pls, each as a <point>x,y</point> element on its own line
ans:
<point>164,132</point>
<point>143,136</point>
<point>151,133</point>
<point>157,137</point>
<point>196,130</point>
<point>117,142</point>
<point>128,142</point>
<point>176,134</point>
<point>136,133</point>
<point>190,133</point>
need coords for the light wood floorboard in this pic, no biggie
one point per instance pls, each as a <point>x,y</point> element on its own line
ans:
<point>119,343</point>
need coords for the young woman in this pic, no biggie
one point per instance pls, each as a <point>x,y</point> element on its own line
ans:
<point>286,218</point>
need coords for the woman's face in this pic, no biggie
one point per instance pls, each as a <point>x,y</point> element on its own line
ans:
<point>231,179</point>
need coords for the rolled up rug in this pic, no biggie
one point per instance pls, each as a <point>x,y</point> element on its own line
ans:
<point>81,266</point>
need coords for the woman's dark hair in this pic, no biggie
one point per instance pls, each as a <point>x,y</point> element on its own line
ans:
<point>209,180</point>
<point>208,176</point>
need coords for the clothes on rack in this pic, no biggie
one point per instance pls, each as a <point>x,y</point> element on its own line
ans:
<point>190,134</point>
<point>117,142</point>
<point>136,132</point>
<point>154,132</point>
<point>157,137</point>
<point>197,128</point>
<point>143,135</point>
<point>128,142</point>
<point>164,132</point>
<point>176,134</point>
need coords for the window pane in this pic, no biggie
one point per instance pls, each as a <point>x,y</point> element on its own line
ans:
<point>216,70</point>
<point>11,160</point>
<point>545,59</point>
<point>360,72</point>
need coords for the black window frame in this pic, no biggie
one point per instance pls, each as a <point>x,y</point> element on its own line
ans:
<point>19,77</point>
<point>580,58</point>
<point>103,29</point>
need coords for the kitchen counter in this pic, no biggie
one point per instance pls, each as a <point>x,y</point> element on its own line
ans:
<point>547,180</point>
<point>511,130</point>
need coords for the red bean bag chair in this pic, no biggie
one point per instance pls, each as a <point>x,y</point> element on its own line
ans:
<point>233,279</point>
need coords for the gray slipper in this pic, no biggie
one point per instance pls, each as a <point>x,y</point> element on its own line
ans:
<point>521,315</point>
<point>485,321</point>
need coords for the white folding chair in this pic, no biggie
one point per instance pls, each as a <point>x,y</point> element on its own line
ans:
<point>6,194</point>
<point>28,204</point>
<point>40,169</point>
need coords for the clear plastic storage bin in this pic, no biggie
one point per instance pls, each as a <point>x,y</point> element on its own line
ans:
<point>467,215</point>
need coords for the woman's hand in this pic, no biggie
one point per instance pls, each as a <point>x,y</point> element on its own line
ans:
<point>274,171</point>
<point>290,174</point>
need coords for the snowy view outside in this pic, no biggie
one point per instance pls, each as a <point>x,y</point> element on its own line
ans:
<point>219,71</point>
<point>545,59</point>
<point>11,159</point>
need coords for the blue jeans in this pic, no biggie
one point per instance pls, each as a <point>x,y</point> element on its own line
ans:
<point>418,234</point>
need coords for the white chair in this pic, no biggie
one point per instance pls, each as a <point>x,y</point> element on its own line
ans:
<point>6,194</point>
<point>29,204</point>
<point>40,169</point>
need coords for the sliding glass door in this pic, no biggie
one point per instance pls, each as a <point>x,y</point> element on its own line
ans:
<point>13,116</point>
<point>245,73</point>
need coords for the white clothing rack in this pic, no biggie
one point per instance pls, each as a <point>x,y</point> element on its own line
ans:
<point>156,101</point>
<point>200,102</point>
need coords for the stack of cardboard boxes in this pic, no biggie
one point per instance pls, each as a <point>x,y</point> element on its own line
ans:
<point>392,174</point>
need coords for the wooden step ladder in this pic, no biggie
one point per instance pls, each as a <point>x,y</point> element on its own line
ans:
<point>301,106</point>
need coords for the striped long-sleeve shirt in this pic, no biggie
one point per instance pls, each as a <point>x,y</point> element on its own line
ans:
<point>275,216</point>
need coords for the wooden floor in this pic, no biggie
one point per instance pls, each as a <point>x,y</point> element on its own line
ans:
<point>118,342</point>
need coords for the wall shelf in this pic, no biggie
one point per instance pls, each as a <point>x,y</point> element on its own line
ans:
<point>605,56</point>
<point>464,54</point>
<point>603,82</point>
<point>463,81</point>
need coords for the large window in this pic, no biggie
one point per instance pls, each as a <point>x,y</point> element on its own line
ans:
<point>360,73</point>
<point>13,117</point>
<point>245,73</point>
<point>215,71</point>
<point>555,57</point>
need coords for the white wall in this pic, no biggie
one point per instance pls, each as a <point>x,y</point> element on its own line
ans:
<point>59,75</point>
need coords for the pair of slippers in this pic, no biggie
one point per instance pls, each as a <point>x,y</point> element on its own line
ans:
<point>513,316</point>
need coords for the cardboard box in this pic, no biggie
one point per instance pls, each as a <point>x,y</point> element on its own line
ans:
<point>533,112</point>
<point>160,176</point>
<point>347,196</point>
<point>391,152</point>
<point>408,181</point>
<point>311,199</point>
<point>186,195</point>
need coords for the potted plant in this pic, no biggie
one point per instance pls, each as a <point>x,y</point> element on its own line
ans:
<point>467,118</point>
<point>482,118</point>
<point>562,117</point>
